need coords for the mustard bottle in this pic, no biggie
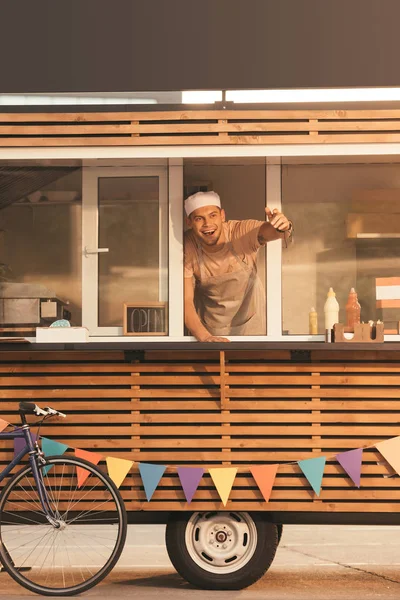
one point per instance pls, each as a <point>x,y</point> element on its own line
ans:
<point>313,322</point>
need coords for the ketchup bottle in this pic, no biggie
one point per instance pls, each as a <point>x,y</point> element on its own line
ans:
<point>353,309</point>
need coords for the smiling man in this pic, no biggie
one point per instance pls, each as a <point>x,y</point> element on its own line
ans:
<point>223,293</point>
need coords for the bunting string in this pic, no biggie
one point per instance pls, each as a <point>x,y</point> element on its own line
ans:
<point>222,477</point>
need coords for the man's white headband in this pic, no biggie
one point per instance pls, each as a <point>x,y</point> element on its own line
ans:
<point>201,199</point>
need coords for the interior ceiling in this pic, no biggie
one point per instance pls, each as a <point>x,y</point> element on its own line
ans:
<point>18,182</point>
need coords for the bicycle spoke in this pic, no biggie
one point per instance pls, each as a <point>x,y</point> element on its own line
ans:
<point>7,512</point>
<point>70,507</point>
<point>88,512</point>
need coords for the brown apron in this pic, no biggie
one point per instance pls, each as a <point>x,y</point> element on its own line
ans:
<point>233,303</point>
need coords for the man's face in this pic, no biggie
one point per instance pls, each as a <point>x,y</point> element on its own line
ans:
<point>206,223</point>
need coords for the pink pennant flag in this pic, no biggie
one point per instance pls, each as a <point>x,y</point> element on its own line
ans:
<point>3,424</point>
<point>92,457</point>
<point>351,462</point>
<point>390,450</point>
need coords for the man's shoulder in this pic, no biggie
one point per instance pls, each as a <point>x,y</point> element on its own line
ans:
<point>188,236</point>
<point>189,244</point>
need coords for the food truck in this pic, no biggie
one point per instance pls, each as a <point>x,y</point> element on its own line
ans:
<point>91,232</point>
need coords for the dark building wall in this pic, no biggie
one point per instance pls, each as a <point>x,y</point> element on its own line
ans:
<point>155,45</point>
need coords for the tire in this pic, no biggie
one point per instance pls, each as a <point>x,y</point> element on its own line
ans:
<point>86,542</point>
<point>280,531</point>
<point>195,544</point>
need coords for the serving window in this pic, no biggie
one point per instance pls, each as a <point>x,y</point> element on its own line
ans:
<point>100,242</point>
<point>347,228</point>
<point>40,245</point>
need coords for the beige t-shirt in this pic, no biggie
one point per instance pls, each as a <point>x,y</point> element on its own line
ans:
<point>244,238</point>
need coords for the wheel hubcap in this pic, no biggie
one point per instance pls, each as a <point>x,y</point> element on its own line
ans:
<point>221,542</point>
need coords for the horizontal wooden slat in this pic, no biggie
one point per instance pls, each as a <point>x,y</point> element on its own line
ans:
<point>321,507</point>
<point>266,405</point>
<point>199,140</point>
<point>65,393</point>
<point>91,367</point>
<point>204,380</point>
<point>381,380</point>
<point>68,368</point>
<point>126,128</point>
<point>265,392</point>
<point>184,115</point>
<point>327,495</point>
<point>267,430</point>
<point>70,405</point>
<point>300,433</point>
<point>69,380</point>
<point>249,443</point>
<point>61,355</point>
<point>385,418</point>
<point>275,417</point>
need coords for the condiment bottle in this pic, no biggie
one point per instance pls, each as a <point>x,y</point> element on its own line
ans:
<point>313,322</point>
<point>331,310</point>
<point>353,309</point>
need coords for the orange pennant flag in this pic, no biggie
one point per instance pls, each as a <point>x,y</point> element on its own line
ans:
<point>92,457</point>
<point>223,480</point>
<point>390,450</point>
<point>3,424</point>
<point>264,476</point>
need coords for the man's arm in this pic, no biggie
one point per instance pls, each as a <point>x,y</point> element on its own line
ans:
<point>275,228</point>
<point>192,320</point>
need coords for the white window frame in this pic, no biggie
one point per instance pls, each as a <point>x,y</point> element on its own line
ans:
<point>271,153</point>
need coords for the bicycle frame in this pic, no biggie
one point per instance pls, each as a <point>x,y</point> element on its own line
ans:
<point>24,432</point>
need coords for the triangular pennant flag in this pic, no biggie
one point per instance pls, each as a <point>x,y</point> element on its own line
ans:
<point>52,448</point>
<point>264,476</point>
<point>81,473</point>
<point>351,462</point>
<point>313,469</point>
<point>190,478</point>
<point>19,444</point>
<point>3,424</point>
<point>151,475</point>
<point>118,469</point>
<point>223,480</point>
<point>390,450</point>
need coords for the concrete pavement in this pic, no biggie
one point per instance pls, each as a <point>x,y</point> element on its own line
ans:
<point>319,562</point>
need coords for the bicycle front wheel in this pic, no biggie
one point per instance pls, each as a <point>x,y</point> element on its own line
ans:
<point>80,548</point>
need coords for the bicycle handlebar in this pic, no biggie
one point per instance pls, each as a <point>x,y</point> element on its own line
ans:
<point>33,409</point>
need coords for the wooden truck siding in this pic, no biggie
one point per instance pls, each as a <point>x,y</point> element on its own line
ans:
<point>203,409</point>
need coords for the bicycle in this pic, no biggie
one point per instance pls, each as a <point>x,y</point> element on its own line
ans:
<point>57,538</point>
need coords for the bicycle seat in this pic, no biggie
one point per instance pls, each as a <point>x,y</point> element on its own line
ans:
<point>27,407</point>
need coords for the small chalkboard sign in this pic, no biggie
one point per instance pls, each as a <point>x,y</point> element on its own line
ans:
<point>147,318</point>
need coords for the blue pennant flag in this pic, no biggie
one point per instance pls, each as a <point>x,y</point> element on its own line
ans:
<point>52,448</point>
<point>313,469</point>
<point>151,475</point>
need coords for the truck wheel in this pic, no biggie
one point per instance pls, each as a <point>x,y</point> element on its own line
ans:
<point>280,531</point>
<point>221,550</point>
